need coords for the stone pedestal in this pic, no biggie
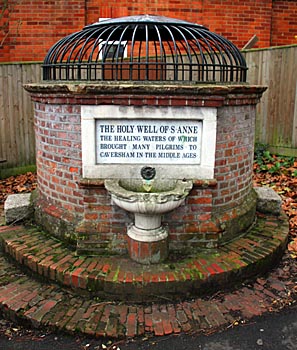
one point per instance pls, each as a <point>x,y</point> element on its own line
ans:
<point>147,228</point>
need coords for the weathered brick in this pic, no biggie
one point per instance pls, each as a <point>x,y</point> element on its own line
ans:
<point>131,325</point>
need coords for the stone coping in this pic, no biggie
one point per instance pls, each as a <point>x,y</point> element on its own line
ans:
<point>145,94</point>
<point>154,88</point>
<point>117,278</point>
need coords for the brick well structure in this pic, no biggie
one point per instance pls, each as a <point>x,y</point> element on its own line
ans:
<point>79,210</point>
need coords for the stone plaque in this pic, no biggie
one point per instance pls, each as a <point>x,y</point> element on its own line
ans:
<point>121,141</point>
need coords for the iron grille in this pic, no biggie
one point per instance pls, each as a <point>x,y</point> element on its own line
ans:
<point>142,48</point>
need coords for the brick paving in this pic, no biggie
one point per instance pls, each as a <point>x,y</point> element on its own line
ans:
<point>81,294</point>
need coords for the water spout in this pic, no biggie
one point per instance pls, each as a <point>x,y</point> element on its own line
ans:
<point>147,185</point>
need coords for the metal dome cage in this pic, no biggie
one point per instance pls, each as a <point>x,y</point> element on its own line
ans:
<point>144,48</point>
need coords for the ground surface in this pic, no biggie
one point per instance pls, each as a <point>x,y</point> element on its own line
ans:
<point>276,331</point>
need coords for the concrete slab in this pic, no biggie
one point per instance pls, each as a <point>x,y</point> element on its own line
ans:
<point>268,201</point>
<point>17,207</point>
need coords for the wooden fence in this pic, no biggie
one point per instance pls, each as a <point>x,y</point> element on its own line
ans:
<point>17,141</point>
<point>276,123</point>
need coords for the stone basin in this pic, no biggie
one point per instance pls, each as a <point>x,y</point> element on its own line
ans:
<point>148,196</point>
<point>133,196</point>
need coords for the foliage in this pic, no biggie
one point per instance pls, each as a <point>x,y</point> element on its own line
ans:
<point>265,161</point>
<point>279,173</point>
<point>17,184</point>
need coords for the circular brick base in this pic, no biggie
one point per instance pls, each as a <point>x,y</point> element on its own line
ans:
<point>119,278</point>
<point>148,252</point>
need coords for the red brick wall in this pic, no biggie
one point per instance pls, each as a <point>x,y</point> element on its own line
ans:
<point>199,222</point>
<point>34,26</point>
<point>284,22</point>
<point>4,28</point>
<point>239,20</point>
<point>169,8</point>
<point>58,155</point>
<point>234,155</point>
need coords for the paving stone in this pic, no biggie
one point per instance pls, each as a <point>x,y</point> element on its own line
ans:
<point>131,325</point>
